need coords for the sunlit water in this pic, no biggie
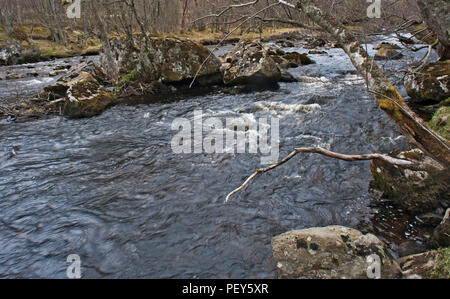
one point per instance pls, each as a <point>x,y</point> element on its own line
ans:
<point>110,188</point>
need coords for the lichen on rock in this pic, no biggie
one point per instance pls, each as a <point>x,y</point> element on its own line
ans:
<point>416,191</point>
<point>330,252</point>
<point>170,60</point>
<point>430,84</point>
<point>250,64</point>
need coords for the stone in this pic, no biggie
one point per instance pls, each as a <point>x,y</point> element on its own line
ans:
<point>287,77</point>
<point>13,53</point>
<point>330,252</point>
<point>82,90</point>
<point>441,234</point>
<point>170,60</point>
<point>251,65</point>
<point>430,264</point>
<point>416,191</point>
<point>386,45</point>
<point>387,54</point>
<point>431,84</point>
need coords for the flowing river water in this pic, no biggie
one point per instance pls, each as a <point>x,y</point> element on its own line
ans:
<point>110,188</point>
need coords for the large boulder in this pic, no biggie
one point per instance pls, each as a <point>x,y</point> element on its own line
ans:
<point>13,53</point>
<point>416,191</point>
<point>331,252</point>
<point>170,60</point>
<point>250,64</point>
<point>430,84</point>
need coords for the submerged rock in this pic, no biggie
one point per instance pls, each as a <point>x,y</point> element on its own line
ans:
<point>416,191</point>
<point>330,252</point>
<point>170,60</point>
<point>289,59</point>
<point>250,64</point>
<point>297,59</point>
<point>430,84</point>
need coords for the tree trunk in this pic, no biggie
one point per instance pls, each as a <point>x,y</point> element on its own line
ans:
<point>435,13</point>
<point>387,97</point>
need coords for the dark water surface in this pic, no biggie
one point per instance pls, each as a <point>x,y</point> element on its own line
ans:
<point>111,190</point>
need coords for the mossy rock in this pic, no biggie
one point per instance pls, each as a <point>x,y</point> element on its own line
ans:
<point>89,106</point>
<point>415,191</point>
<point>330,252</point>
<point>440,121</point>
<point>428,265</point>
<point>431,84</point>
<point>168,59</point>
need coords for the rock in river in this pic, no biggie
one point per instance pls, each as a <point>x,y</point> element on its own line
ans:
<point>170,60</point>
<point>251,65</point>
<point>82,91</point>
<point>330,252</point>
<point>430,84</point>
<point>416,191</point>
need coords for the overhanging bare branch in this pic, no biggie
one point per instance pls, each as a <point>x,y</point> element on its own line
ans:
<point>322,151</point>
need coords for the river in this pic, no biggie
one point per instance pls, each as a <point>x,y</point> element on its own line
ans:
<point>110,188</point>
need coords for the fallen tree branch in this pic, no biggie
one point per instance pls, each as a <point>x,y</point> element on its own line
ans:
<point>322,151</point>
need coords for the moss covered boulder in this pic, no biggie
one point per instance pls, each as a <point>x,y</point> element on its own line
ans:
<point>170,60</point>
<point>440,120</point>
<point>331,252</point>
<point>416,191</point>
<point>431,84</point>
<point>82,91</point>
<point>250,64</point>
<point>85,97</point>
<point>430,264</point>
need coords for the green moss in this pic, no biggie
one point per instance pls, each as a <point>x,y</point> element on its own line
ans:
<point>54,53</point>
<point>440,121</point>
<point>126,80</point>
<point>441,264</point>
